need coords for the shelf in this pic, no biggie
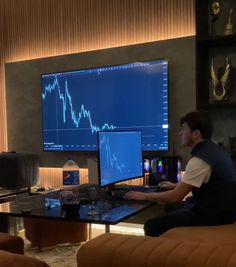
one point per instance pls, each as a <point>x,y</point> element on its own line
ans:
<point>217,47</point>
<point>225,40</point>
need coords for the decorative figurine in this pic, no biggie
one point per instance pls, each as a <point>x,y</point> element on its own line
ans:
<point>229,25</point>
<point>215,12</point>
<point>222,81</point>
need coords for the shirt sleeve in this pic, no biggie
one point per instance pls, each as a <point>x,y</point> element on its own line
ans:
<point>197,172</point>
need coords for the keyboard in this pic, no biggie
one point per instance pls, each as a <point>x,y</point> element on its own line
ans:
<point>138,188</point>
<point>119,192</point>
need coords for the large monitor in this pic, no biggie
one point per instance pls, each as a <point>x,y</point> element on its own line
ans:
<point>78,104</point>
<point>120,156</point>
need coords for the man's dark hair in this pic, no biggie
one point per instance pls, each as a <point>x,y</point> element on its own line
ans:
<point>199,120</point>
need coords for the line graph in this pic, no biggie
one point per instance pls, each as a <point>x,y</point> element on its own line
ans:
<point>83,113</point>
<point>120,156</point>
<point>111,158</point>
<point>78,104</point>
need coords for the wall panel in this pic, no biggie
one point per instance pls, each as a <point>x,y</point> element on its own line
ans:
<point>23,91</point>
<point>41,28</point>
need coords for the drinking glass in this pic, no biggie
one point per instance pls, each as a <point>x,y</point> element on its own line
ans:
<point>93,195</point>
<point>70,201</point>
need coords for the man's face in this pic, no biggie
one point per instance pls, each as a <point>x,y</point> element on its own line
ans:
<point>186,135</point>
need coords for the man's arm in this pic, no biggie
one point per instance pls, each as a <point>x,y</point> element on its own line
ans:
<point>197,172</point>
<point>171,196</point>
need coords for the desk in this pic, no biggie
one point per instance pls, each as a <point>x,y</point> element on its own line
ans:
<point>113,211</point>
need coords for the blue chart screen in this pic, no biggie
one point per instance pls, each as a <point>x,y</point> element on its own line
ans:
<point>78,104</point>
<point>120,156</point>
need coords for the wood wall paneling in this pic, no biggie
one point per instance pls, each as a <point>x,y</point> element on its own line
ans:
<point>42,28</point>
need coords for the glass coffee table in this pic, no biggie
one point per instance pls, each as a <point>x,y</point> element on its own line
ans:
<point>110,210</point>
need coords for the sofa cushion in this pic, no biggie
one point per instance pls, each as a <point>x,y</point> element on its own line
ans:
<point>11,243</point>
<point>222,234</point>
<point>8,259</point>
<point>115,250</point>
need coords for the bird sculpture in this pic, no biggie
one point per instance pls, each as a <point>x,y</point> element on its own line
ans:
<point>221,81</point>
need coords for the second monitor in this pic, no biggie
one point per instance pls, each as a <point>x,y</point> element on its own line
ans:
<point>120,156</point>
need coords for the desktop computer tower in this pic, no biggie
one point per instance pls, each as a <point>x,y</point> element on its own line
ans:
<point>165,168</point>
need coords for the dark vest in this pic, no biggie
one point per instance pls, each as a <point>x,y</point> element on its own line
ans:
<point>218,196</point>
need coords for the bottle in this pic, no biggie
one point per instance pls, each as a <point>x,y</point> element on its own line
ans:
<point>70,172</point>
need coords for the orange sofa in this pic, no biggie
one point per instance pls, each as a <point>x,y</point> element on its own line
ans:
<point>208,246</point>
<point>8,259</point>
<point>11,253</point>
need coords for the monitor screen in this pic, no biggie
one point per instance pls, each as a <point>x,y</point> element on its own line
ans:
<point>120,156</point>
<point>78,104</point>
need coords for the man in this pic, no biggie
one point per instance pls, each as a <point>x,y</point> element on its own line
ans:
<point>209,176</point>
